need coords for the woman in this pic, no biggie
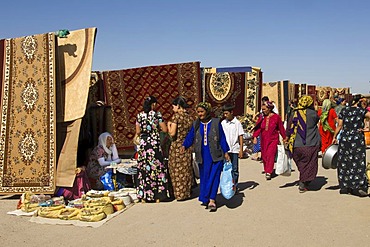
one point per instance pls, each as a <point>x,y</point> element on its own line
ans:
<point>101,156</point>
<point>268,127</point>
<point>328,119</point>
<point>210,147</point>
<point>152,174</point>
<point>304,141</point>
<point>352,149</point>
<point>179,165</point>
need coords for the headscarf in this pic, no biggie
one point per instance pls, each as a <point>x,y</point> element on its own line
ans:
<point>270,105</point>
<point>339,101</point>
<point>206,106</point>
<point>298,124</point>
<point>326,106</point>
<point>111,151</point>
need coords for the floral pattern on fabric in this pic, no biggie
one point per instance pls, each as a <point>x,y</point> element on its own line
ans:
<point>179,165</point>
<point>352,149</point>
<point>94,169</point>
<point>152,174</point>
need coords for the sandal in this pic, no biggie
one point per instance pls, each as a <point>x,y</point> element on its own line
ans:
<point>212,207</point>
<point>268,176</point>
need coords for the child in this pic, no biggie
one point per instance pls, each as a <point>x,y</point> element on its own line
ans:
<point>256,147</point>
<point>234,136</point>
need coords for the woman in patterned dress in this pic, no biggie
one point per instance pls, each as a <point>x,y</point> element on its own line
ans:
<point>351,166</point>
<point>152,173</point>
<point>304,141</point>
<point>101,156</point>
<point>179,165</point>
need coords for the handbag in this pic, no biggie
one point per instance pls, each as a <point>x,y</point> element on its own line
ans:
<point>283,164</point>
<point>227,185</point>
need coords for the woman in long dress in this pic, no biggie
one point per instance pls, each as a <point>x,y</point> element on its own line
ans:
<point>328,118</point>
<point>304,141</point>
<point>179,164</point>
<point>210,146</point>
<point>101,156</point>
<point>152,173</point>
<point>268,127</point>
<point>351,166</point>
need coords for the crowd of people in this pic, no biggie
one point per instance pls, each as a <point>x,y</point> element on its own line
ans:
<point>307,133</point>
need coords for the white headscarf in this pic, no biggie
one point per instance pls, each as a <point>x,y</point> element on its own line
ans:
<point>111,151</point>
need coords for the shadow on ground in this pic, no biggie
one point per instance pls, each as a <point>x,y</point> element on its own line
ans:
<point>315,185</point>
<point>237,199</point>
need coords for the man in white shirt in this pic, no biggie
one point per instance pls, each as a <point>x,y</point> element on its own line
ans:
<point>234,136</point>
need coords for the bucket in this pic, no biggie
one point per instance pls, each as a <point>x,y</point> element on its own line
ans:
<point>330,157</point>
<point>367,137</point>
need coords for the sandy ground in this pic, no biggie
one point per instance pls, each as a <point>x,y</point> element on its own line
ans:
<point>264,213</point>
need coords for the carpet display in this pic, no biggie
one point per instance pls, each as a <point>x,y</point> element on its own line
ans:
<point>27,144</point>
<point>278,92</point>
<point>225,87</point>
<point>126,90</point>
<point>74,61</point>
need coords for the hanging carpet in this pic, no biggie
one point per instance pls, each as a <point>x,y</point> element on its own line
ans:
<point>27,144</point>
<point>126,90</point>
<point>226,87</point>
<point>74,61</point>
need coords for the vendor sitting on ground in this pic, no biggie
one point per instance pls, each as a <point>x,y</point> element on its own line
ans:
<point>101,156</point>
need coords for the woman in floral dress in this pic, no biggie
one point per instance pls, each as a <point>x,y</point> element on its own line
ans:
<point>179,164</point>
<point>152,174</point>
<point>352,149</point>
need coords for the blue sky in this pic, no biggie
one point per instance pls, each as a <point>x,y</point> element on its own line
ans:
<point>319,42</point>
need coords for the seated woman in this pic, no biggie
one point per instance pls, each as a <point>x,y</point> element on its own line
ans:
<point>101,156</point>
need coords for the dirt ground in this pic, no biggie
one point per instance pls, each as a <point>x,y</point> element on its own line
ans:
<point>264,213</point>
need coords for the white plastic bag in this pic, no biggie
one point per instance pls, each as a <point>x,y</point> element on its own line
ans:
<point>195,166</point>
<point>227,185</point>
<point>283,164</point>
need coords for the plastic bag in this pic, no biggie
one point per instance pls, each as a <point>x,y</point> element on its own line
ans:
<point>283,162</point>
<point>227,185</point>
<point>107,180</point>
<point>195,166</point>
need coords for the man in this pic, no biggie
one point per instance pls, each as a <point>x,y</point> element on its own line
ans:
<point>234,136</point>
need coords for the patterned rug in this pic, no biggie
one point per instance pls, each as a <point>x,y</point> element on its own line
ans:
<point>27,144</point>
<point>225,87</point>
<point>2,60</point>
<point>74,60</point>
<point>126,90</point>
<point>278,92</point>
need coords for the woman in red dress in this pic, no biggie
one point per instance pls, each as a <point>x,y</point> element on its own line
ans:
<point>328,119</point>
<point>269,125</point>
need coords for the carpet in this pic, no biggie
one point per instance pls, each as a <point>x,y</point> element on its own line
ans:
<point>74,61</point>
<point>68,132</point>
<point>27,143</point>
<point>226,87</point>
<point>278,92</point>
<point>126,90</point>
